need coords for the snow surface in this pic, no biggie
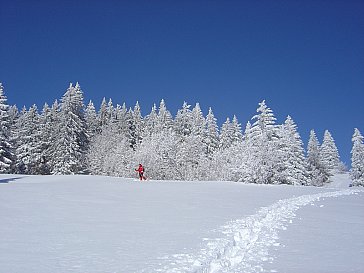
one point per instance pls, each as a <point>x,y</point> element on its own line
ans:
<point>103,224</point>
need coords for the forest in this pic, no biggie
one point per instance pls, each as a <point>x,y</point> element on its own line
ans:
<point>70,137</point>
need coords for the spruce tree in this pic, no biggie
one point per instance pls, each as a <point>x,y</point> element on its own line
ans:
<point>212,134</point>
<point>188,143</point>
<point>103,115</point>
<point>263,148</point>
<point>237,135</point>
<point>226,135</point>
<point>122,119</point>
<point>47,136</point>
<point>54,124</point>
<point>329,153</point>
<point>182,122</point>
<point>110,111</point>
<point>71,144</point>
<point>164,119</point>
<point>151,121</point>
<point>93,126</point>
<point>357,159</point>
<point>6,153</point>
<point>29,148</point>
<point>318,172</point>
<point>136,127</point>
<point>292,164</point>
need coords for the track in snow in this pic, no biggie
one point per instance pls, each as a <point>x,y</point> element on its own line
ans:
<point>243,244</point>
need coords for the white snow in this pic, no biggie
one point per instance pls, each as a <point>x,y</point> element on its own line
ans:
<point>102,224</point>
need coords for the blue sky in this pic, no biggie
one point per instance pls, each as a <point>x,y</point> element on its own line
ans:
<point>305,58</point>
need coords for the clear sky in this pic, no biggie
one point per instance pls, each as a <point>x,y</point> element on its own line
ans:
<point>304,57</point>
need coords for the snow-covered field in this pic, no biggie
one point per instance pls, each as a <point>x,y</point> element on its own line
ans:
<point>89,224</point>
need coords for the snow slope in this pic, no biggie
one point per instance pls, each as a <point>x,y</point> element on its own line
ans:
<point>102,224</point>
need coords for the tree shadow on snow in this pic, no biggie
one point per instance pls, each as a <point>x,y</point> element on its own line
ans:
<point>10,179</point>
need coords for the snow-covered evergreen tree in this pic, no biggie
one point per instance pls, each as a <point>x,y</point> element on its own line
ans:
<point>357,159</point>
<point>237,135</point>
<point>92,123</point>
<point>47,136</point>
<point>136,127</point>
<point>313,149</point>
<point>13,117</point>
<point>182,122</point>
<point>29,145</point>
<point>52,121</point>
<point>226,135</point>
<point>150,122</point>
<point>103,115</point>
<point>198,121</point>
<point>13,114</point>
<point>72,141</point>
<point>318,172</point>
<point>6,153</point>
<point>291,164</point>
<point>189,142</point>
<point>329,153</point>
<point>110,111</point>
<point>121,121</point>
<point>212,134</point>
<point>262,149</point>
<point>164,119</point>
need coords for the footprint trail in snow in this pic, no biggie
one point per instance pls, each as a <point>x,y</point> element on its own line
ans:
<point>243,244</point>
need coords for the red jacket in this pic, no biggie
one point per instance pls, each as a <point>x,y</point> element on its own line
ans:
<point>140,169</point>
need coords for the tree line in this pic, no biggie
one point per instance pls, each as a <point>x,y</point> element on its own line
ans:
<point>69,137</point>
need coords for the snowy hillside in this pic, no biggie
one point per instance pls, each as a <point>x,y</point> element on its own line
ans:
<point>90,224</point>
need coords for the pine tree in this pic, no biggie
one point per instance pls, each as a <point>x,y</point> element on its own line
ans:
<point>226,133</point>
<point>189,142</point>
<point>13,114</point>
<point>262,149</point>
<point>329,153</point>
<point>54,124</point>
<point>71,145</point>
<point>182,122</point>
<point>292,165</point>
<point>13,117</point>
<point>103,116</point>
<point>198,148</point>
<point>151,121</point>
<point>20,123</point>
<point>212,134</point>
<point>164,119</point>
<point>122,119</point>
<point>29,149</point>
<point>198,121</point>
<point>136,127</point>
<point>234,162</point>
<point>6,154</point>
<point>318,172</point>
<point>110,111</point>
<point>93,126</point>
<point>47,136</point>
<point>236,130</point>
<point>357,159</point>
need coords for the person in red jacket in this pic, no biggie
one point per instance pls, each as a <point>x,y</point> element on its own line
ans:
<point>140,170</point>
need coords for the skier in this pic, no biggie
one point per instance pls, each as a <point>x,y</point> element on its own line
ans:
<point>140,170</point>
